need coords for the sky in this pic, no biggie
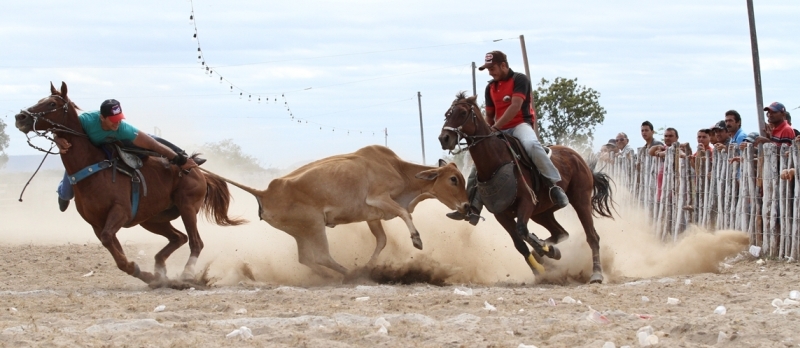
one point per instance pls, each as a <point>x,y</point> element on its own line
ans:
<point>350,70</point>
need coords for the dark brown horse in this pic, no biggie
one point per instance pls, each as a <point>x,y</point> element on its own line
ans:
<point>107,205</point>
<point>586,190</point>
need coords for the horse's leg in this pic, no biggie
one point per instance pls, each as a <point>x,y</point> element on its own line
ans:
<point>189,197</point>
<point>557,233</point>
<point>524,210</point>
<point>584,212</point>
<point>176,240</point>
<point>507,221</point>
<point>387,204</point>
<point>108,237</point>
<point>376,228</point>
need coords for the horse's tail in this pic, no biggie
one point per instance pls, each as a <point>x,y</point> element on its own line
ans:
<point>602,200</point>
<point>216,203</point>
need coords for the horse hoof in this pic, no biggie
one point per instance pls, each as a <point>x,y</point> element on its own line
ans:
<point>596,278</point>
<point>553,253</point>
<point>187,276</point>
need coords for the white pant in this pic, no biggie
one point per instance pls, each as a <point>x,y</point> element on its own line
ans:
<point>527,136</point>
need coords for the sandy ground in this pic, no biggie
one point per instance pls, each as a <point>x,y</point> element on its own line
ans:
<point>48,298</point>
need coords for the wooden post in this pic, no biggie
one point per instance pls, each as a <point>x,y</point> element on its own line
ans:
<point>474,83</point>
<point>421,133</point>
<point>756,67</point>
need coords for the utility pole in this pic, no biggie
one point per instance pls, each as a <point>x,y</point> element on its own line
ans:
<point>474,86</point>
<point>386,137</point>
<point>756,68</point>
<point>421,133</point>
<point>528,74</point>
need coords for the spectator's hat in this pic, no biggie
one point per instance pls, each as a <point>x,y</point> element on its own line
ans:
<point>111,110</point>
<point>719,126</point>
<point>751,137</point>
<point>775,107</point>
<point>492,58</point>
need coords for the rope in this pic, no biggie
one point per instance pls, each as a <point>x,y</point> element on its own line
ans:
<point>34,173</point>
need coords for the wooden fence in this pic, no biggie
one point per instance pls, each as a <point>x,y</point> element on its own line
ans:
<point>751,190</point>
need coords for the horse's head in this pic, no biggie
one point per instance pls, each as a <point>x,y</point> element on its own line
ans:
<point>462,120</point>
<point>48,114</point>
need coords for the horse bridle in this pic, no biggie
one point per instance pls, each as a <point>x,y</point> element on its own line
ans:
<point>472,140</point>
<point>55,126</point>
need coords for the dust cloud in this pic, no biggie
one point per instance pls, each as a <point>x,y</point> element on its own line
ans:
<point>454,252</point>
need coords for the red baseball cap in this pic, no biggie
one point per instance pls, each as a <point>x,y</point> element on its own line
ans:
<point>111,110</point>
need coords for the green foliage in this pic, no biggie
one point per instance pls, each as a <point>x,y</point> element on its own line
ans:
<point>567,113</point>
<point>4,140</point>
<point>231,154</point>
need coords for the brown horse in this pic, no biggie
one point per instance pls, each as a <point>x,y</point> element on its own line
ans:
<point>107,205</point>
<point>585,189</point>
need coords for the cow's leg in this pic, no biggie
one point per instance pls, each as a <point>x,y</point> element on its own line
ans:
<point>108,237</point>
<point>176,240</point>
<point>388,205</point>
<point>533,261</point>
<point>312,250</point>
<point>376,227</point>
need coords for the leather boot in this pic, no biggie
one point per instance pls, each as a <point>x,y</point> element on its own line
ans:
<point>557,196</point>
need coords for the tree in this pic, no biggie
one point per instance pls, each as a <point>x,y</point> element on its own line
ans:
<point>4,138</point>
<point>231,154</point>
<point>567,113</point>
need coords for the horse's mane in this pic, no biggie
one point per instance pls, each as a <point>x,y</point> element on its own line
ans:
<point>462,96</point>
<point>74,106</point>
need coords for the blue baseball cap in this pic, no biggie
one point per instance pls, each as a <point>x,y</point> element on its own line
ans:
<point>775,107</point>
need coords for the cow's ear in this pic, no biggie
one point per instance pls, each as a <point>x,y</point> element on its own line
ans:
<point>429,174</point>
<point>442,163</point>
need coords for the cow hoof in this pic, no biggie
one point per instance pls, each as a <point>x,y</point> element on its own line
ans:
<point>597,278</point>
<point>417,243</point>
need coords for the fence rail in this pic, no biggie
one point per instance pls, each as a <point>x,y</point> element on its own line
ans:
<point>752,190</point>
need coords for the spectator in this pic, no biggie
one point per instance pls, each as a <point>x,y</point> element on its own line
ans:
<point>779,129</point>
<point>623,147</point>
<point>733,124</point>
<point>721,134</point>
<point>608,151</point>
<point>789,121</point>
<point>703,142</point>
<point>647,135</point>
<point>660,150</point>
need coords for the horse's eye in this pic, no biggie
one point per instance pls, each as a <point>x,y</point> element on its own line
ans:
<point>53,104</point>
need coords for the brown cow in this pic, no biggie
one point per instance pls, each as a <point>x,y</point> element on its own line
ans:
<point>371,184</point>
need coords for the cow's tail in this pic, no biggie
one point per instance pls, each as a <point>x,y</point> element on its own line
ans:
<point>217,201</point>
<point>249,189</point>
<point>602,201</point>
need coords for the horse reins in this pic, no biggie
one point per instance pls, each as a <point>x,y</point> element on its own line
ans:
<point>57,127</point>
<point>462,135</point>
<point>468,138</point>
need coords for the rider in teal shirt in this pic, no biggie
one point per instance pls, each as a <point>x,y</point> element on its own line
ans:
<point>106,126</point>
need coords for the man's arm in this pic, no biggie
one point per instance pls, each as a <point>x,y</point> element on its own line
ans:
<point>62,144</point>
<point>147,142</point>
<point>513,109</point>
<point>490,117</point>
<point>654,149</point>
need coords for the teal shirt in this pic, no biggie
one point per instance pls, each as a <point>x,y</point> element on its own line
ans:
<point>90,121</point>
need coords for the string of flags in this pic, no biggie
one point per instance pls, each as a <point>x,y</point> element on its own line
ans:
<point>210,71</point>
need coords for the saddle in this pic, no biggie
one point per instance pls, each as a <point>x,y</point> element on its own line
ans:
<point>525,160</point>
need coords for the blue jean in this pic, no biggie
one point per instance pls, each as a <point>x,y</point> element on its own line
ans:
<point>65,190</point>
